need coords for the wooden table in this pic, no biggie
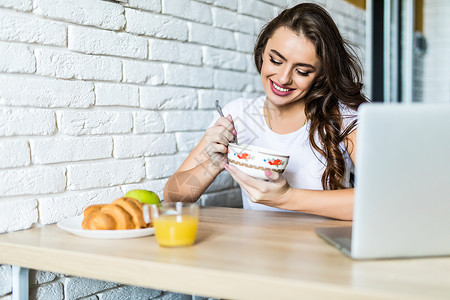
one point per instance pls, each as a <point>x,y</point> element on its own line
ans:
<point>239,254</point>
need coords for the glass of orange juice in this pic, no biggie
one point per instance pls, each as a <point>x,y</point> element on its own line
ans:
<point>175,223</point>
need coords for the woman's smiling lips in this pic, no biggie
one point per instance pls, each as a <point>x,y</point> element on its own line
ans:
<point>280,90</point>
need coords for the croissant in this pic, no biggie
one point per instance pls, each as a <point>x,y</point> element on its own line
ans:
<point>123,213</point>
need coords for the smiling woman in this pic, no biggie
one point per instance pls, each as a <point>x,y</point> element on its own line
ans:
<point>287,75</point>
<point>312,83</point>
<point>297,66</point>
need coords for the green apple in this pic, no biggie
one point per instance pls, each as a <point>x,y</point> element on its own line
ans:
<point>144,196</point>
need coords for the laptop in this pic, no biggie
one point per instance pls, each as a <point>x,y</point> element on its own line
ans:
<point>402,184</point>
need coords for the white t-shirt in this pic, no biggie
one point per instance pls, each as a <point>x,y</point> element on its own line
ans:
<point>305,167</point>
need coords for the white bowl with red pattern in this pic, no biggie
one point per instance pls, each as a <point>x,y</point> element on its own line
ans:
<point>254,160</point>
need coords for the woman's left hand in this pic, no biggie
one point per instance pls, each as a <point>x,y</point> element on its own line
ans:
<point>273,192</point>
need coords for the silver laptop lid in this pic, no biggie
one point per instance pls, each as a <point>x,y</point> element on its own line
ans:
<point>402,180</point>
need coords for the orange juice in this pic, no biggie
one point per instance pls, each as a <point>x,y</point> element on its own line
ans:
<point>175,230</point>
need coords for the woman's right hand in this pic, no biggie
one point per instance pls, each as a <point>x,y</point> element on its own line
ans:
<point>217,139</point>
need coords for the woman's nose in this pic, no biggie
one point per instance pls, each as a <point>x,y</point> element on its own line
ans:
<point>285,76</point>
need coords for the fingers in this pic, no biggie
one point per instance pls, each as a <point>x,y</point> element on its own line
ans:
<point>230,118</point>
<point>222,132</point>
<point>218,160</point>
<point>217,154</point>
<point>272,176</point>
<point>218,135</point>
<point>241,177</point>
<point>216,148</point>
<point>255,187</point>
<point>217,139</point>
<point>261,191</point>
<point>227,123</point>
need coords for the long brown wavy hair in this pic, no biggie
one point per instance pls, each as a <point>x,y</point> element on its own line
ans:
<point>338,82</point>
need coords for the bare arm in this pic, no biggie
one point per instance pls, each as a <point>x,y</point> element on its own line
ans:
<point>202,165</point>
<point>193,177</point>
<point>336,204</point>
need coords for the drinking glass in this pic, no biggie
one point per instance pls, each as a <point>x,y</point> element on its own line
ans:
<point>175,223</point>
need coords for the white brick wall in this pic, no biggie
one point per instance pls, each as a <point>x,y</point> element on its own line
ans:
<point>168,98</point>
<point>26,121</point>
<point>97,41</point>
<point>34,180</point>
<point>68,65</point>
<point>101,14</point>
<point>17,214</point>
<point>73,122</point>
<point>5,279</point>
<point>55,208</point>
<point>174,51</point>
<point>101,97</point>
<point>151,24</point>
<point>104,174</point>
<point>51,150</point>
<point>15,153</point>
<point>187,9</point>
<point>142,72</point>
<point>34,91</point>
<point>31,29</point>
<point>144,145</point>
<point>16,58</point>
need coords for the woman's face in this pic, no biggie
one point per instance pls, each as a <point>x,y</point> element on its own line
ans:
<point>289,67</point>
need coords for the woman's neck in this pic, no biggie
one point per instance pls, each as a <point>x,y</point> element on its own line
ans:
<point>285,119</point>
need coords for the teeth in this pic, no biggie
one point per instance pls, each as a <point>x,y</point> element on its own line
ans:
<point>279,88</point>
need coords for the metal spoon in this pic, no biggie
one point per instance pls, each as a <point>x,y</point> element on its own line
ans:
<point>219,110</point>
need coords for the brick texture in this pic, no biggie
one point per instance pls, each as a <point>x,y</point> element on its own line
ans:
<point>26,28</point>
<point>97,13</point>
<point>15,153</point>
<point>142,72</point>
<point>107,94</point>
<point>32,181</point>
<point>94,122</point>
<point>104,174</point>
<point>144,145</point>
<point>95,41</point>
<point>174,51</point>
<point>67,65</point>
<point>25,5</point>
<point>55,208</point>
<point>33,91</point>
<point>51,150</point>
<point>16,58</point>
<point>187,9</point>
<point>166,98</point>
<point>5,280</point>
<point>17,214</point>
<point>26,121</point>
<point>52,291</point>
<point>156,25</point>
<point>150,5</point>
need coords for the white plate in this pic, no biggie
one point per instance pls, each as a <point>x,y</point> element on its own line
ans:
<point>73,225</point>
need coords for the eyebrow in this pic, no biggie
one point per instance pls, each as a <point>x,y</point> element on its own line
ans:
<point>297,64</point>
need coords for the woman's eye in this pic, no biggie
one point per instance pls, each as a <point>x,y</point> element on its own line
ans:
<point>304,74</point>
<point>274,61</point>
